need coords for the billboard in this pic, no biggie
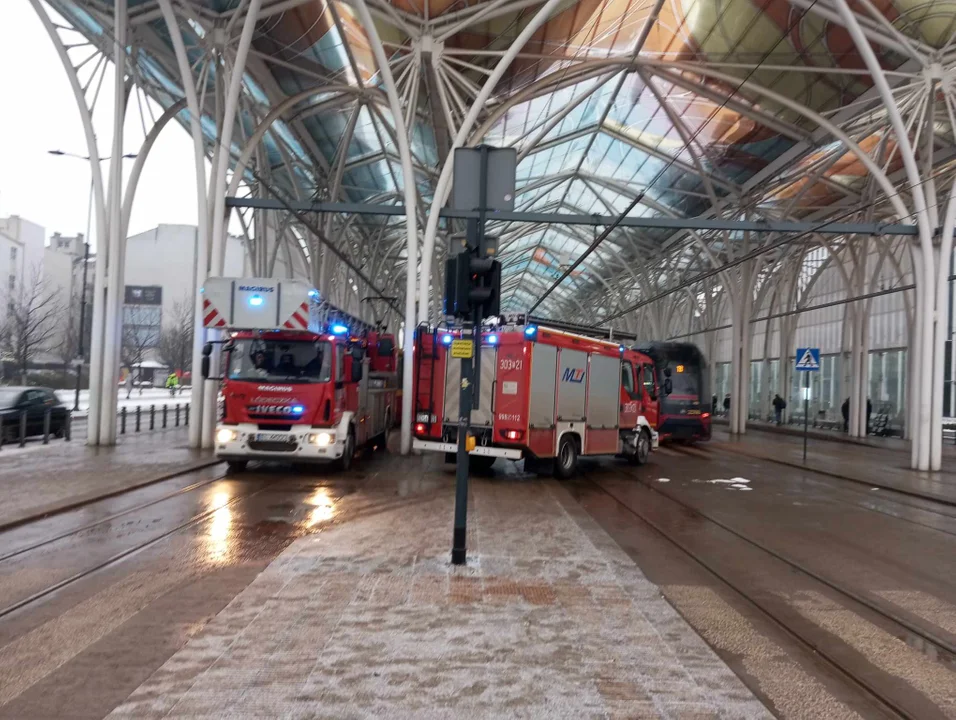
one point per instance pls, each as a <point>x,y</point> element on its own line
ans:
<point>144,295</point>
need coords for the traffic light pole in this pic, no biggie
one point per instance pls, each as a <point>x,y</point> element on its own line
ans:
<point>468,395</point>
<point>459,549</point>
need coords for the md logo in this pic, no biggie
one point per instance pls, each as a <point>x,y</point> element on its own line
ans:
<point>574,375</point>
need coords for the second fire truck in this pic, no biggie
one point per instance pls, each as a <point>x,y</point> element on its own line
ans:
<point>545,395</point>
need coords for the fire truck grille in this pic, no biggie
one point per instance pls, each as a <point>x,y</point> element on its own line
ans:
<point>269,446</point>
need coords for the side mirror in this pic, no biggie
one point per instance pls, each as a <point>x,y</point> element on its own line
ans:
<point>207,350</point>
<point>204,364</point>
<point>668,385</point>
<point>356,370</point>
<point>667,372</point>
<point>357,353</point>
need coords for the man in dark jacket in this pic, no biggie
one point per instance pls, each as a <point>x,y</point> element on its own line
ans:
<point>845,408</point>
<point>779,405</point>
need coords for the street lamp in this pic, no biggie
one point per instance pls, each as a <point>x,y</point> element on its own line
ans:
<point>86,262</point>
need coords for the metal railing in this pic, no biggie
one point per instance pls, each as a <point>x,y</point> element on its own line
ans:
<point>129,422</point>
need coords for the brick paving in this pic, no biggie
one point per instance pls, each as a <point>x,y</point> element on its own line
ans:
<point>550,619</point>
<point>41,478</point>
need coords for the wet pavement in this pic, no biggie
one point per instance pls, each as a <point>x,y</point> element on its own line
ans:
<point>882,467</point>
<point>549,619</point>
<point>310,593</point>
<point>39,478</point>
<point>170,557</point>
<point>863,578</point>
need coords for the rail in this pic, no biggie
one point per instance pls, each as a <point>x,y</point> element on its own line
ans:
<point>163,415</point>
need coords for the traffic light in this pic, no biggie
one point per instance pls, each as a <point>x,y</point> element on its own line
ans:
<point>472,283</point>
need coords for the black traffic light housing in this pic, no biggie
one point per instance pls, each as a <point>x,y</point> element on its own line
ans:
<point>473,276</point>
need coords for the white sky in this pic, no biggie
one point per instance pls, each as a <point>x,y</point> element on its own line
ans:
<point>38,114</point>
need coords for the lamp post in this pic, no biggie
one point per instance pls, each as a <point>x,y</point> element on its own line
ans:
<point>78,362</point>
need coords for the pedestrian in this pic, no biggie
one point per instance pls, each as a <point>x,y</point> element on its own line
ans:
<point>713,404</point>
<point>172,382</point>
<point>129,383</point>
<point>845,408</point>
<point>727,404</point>
<point>869,409</point>
<point>779,405</point>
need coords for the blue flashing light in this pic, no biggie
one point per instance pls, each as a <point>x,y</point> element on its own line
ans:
<point>621,348</point>
<point>492,339</point>
<point>338,329</point>
<point>255,300</point>
<point>531,331</point>
<point>313,293</point>
<point>298,409</point>
<point>446,339</point>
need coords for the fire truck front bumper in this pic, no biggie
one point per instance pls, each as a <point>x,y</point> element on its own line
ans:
<point>302,443</point>
<point>443,447</point>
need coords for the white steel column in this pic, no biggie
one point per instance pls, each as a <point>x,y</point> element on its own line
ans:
<point>202,235</point>
<point>922,274</point>
<point>411,219</point>
<point>443,187</point>
<point>113,317</point>
<point>217,242</point>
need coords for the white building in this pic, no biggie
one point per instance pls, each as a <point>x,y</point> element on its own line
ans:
<point>21,254</point>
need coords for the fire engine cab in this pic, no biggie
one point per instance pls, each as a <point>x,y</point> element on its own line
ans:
<point>545,395</point>
<point>301,381</point>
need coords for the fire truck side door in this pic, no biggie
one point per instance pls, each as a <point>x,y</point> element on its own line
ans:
<point>649,399</point>
<point>630,405</point>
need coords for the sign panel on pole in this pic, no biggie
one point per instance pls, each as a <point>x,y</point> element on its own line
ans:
<point>808,359</point>
<point>462,349</point>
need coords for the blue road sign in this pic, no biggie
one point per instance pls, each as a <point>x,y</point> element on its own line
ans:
<point>808,359</point>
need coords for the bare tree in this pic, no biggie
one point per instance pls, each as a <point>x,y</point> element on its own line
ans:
<point>32,319</point>
<point>140,333</point>
<point>176,339</point>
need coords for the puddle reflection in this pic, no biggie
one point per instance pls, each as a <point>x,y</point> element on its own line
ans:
<point>218,541</point>
<point>323,507</point>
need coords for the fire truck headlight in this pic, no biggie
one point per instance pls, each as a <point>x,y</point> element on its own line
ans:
<point>225,435</point>
<point>322,439</point>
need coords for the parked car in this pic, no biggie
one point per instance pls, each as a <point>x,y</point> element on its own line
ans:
<point>34,401</point>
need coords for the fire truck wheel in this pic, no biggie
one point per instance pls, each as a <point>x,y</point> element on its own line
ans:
<point>643,449</point>
<point>345,462</point>
<point>567,461</point>
<point>237,466</point>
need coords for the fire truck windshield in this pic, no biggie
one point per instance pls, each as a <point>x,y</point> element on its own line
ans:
<point>288,361</point>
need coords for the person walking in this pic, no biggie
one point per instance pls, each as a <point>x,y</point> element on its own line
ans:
<point>845,409</point>
<point>129,383</point>
<point>779,405</point>
<point>727,404</point>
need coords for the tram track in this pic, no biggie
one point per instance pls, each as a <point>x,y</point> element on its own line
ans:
<point>708,454</point>
<point>123,554</point>
<point>89,526</point>
<point>941,647</point>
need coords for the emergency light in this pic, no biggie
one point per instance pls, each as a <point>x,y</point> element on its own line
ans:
<point>531,331</point>
<point>446,339</point>
<point>492,339</point>
<point>339,329</point>
<point>255,300</point>
<point>298,409</point>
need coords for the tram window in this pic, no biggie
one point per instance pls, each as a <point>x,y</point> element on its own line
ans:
<point>627,378</point>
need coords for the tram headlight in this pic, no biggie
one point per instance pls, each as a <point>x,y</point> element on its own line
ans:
<point>225,435</point>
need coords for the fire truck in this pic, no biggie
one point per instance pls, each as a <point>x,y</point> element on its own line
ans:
<point>302,382</point>
<point>545,395</point>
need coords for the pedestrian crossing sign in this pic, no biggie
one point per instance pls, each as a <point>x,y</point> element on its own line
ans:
<point>808,359</point>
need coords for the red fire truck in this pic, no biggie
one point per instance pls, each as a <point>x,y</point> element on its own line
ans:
<point>302,382</point>
<point>546,395</point>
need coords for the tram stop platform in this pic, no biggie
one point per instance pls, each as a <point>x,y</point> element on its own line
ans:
<point>549,619</point>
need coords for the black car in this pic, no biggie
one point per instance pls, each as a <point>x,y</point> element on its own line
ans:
<point>34,401</point>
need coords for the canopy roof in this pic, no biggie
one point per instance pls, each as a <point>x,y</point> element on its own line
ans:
<point>700,108</point>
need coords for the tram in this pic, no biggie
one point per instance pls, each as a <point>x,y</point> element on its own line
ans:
<point>685,404</point>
